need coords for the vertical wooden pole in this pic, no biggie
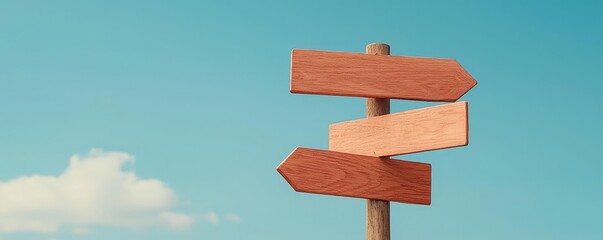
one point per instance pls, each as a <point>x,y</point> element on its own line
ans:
<point>377,211</point>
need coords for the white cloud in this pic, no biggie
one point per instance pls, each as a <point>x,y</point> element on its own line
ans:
<point>234,218</point>
<point>176,220</point>
<point>93,190</point>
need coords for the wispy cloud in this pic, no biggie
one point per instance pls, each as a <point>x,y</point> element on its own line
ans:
<point>211,217</point>
<point>234,218</point>
<point>79,230</point>
<point>214,218</point>
<point>93,190</point>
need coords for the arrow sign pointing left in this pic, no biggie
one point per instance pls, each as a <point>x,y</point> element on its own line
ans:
<point>343,174</point>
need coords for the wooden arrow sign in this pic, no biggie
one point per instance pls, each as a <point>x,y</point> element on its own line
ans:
<point>343,174</point>
<point>378,76</point>
<point>418,130</point>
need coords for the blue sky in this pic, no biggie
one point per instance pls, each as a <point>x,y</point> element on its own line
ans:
<point>197,93</point>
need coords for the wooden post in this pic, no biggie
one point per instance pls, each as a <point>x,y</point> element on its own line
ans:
<point>377,211</point>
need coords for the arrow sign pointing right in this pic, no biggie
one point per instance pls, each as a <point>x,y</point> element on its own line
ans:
<point>378,76</point>
<point>343,174</point>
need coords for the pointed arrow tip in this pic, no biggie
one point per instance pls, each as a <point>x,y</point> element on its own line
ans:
<point>466,82</point>
<point>283,169</point>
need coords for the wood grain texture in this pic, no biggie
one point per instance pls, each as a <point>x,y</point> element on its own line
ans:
<point>378,76</point>
<point>377,220</point>
<point>418,130</point>
<point>343,174</point>
<point>377,211</point>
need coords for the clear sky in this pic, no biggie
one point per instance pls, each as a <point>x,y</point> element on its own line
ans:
<point>197,92</point>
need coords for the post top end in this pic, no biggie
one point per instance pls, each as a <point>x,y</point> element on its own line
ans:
<point>377,49</point>
<point>378,43</point>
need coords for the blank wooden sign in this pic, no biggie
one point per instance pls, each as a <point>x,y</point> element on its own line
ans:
<point>424,129</point>
<point>343,174</point>
<point>378,76</point>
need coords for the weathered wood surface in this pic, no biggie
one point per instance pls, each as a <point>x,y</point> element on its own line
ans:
<point>378,76</point>
<point>351,175</point>
<point>377,211</point>
<point>418,130</point>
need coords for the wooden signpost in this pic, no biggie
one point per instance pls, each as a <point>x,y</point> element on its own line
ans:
<point>351,175</point>
<point>378,76</point>
<point>418,130</point>
<point>357,163</point>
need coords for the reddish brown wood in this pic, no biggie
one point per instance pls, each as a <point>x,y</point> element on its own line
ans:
<point>343,174</point>
<point>378,76</point>
<point>418,130</point>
